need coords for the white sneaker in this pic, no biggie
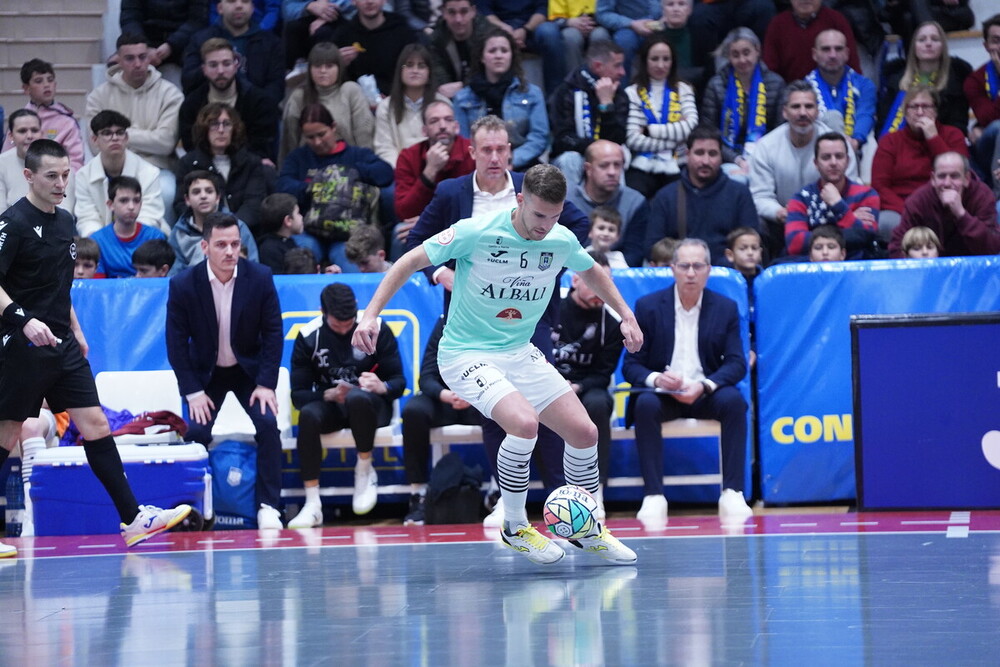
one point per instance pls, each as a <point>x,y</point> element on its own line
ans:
<point>7,551</point>
<point>365,490</point>
<point>535,546</point>
<point>653,511</point>
<point>152,521</point>
<point>600,514</point>
<point>607,546</point>
<point>268,518</point>
<point>732,506</point>
<point>311,516</point>
<point>495,518</point>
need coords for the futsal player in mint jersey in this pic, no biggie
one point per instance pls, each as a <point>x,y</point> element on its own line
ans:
<point>507,264</point>
<point>42,348</point>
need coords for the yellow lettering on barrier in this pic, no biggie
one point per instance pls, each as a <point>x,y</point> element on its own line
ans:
<point>389,455</point>
<point>810,428</point>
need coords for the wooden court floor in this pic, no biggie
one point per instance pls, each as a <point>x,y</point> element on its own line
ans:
<point>783,589</point>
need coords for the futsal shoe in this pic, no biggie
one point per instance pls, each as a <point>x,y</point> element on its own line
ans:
<point>7,551</point>
<point>151,521</point>
<point>733,508</point>
<point>495,518</point>
<point>310,516</point>
<point>653,513</point>
<point>535,546</point>
<point>605,545</point>
<point>365,490</point>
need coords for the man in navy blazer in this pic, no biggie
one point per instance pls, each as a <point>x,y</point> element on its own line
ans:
<point>236,296</point>
<point>691,360</point>
<point>489,188</point>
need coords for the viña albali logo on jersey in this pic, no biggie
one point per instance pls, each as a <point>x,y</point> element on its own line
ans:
<point>515,288</point>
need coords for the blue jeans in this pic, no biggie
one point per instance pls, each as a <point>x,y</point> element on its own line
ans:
<point>330,252</point>
<point>547,42</point>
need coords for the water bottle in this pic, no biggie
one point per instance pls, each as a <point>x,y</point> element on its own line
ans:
<point>15,501</point>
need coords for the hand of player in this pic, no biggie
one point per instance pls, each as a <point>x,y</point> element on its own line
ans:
<point>39,334</point>
<point>952,200</point>
<point>631,333</point>
<point>690,393</point>
<point>403,228</point>
<point>830,194</point>
<point>265,396</point>
<point>366,335</point>
<point>446,278</point>
<point>200,409</point>
<point>605,90</point>
<point>371,382</point>
<point>336,393</point>
<point>437,158</point>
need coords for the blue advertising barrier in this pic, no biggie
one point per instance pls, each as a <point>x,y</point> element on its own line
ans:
<point>803,311</point>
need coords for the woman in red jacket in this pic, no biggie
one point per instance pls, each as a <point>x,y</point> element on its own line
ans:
<point>903,161</point>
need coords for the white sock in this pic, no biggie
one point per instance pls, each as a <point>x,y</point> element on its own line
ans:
<point>312,495</point>
<point>580,467</point>
<point>363,465</point>
<point>513,471</point>
<point>29,449</point>
<point>418,489</point>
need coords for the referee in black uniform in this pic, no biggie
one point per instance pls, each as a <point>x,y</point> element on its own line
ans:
<point>42,349</point>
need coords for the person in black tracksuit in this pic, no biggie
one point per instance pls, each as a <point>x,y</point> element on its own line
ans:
<point>336,386</point>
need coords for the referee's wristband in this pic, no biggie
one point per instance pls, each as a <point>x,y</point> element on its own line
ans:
<point>15,315</point>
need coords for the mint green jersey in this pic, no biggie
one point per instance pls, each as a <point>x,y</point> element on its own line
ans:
<point>503,282</point>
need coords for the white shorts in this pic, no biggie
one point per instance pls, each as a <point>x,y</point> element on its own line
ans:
<point>482,378</point>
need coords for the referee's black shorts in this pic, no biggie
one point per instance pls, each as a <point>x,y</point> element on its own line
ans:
<point>28,374</point>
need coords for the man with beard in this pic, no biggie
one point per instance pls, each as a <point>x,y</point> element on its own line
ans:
<point>842,90</point>
<point>833,200</point>
<point>261,53</point>
<point>587,344</point>
<point>783,160</point>
<point>220,63</point>
<point>704,203</point>
<point>604,162</point>
<point>419,168</point>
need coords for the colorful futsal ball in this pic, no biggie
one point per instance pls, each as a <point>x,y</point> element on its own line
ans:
<point>569,512</point>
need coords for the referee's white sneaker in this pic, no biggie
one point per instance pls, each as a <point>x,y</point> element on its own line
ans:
<point>7,551</point>
<point>152,521</point>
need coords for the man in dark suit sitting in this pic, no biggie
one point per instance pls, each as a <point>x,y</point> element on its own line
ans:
<point>224,333</point>
<point>692,360</point>
<point>492,187</point>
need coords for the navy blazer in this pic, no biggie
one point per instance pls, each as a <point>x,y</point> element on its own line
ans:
<point>720,347</point>
<point>453,202</point>
<point>256,334</point>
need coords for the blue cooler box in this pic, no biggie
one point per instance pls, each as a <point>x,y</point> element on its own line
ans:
<point>69,500</point>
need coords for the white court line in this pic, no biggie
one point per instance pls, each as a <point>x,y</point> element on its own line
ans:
<point>859,523</point>
<point>957,531</point>
<point>399,534</point>
<point>445,534</point>
<point>625,529</point>
<point>275,539</point>
<point>804,524</point>
<point>336,537</point>
<point>960,517</point>
<point>38,548</point>
<point>215,541</point>
<point>926,522</point>
<point>681,527</point>
<point>96,546</point>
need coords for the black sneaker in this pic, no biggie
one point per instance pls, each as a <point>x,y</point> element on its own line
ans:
<point>415,517</point>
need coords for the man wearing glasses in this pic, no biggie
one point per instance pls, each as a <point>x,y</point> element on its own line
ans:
<point>109,132</point>
<point>691,360</point>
